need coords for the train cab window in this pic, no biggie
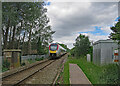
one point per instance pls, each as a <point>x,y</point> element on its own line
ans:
<point>53,47</point>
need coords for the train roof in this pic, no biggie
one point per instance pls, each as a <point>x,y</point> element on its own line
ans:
<point>59,45</point>
<point>62,47</point>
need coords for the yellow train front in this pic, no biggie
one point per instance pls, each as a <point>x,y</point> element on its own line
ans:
<point>55,50</point>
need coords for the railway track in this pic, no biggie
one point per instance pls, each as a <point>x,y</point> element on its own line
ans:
<point>23,69</point>
<point>20,76</point>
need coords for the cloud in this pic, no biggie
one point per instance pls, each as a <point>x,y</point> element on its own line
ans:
<point>97,31</point>
<point>94,38</point>
<point>69,18</point>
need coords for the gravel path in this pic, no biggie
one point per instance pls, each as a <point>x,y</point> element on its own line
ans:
<point>47,75</point>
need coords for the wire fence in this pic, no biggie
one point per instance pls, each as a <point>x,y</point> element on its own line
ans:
<point>33,57</point>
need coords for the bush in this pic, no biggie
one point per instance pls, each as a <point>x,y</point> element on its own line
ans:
<point>110,74</point>
<point>6,64</point>
<point>38,59</point>
<point>31,61</point>
<point>23,64</point>
<point>4,69</point>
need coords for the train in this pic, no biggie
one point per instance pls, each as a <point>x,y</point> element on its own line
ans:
<point>55,50</point>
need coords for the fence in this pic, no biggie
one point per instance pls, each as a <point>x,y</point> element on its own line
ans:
<point>29,57</point>
<point>33,57</point>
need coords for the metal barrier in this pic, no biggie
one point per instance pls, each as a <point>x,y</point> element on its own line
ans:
<point>33,57</point>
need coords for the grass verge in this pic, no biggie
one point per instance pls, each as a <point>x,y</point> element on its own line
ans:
<point>107,74</point>
<point>66,73</point>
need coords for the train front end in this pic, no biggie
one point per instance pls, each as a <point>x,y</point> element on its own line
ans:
<point>54,50</point>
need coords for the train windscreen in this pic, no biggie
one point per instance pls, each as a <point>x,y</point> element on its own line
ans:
<point>53,47</point>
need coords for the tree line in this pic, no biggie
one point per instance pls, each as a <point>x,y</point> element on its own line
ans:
<point>25,26</point>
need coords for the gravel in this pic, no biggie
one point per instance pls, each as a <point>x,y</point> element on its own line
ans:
<point>47,75</point>
<point>16,77</point>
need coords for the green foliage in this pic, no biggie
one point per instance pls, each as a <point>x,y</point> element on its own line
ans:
<point>115,35</point>
<point>106,74</point>
<point>4,69</point>
<point>82,45</point>
<point>31,61</point>
<point>113,70</point>
<point>39,59</point>
<point>110,74</point>
<point>66,73</point>
<point>91,52</point>
<point>40,49</point>
<point>23,24</point>
<point>6,64</point>
<point>72,51</point>
<point>23,64</point>
<point>91,71</point>
<point>68,55</point>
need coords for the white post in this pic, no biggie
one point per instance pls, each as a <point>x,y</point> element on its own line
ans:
<point>88,58</point>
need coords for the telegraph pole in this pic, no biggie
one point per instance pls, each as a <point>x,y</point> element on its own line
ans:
<point>119,46</point>
<point>0,28</point>
<point>119,20</point>
<point>0,38</point>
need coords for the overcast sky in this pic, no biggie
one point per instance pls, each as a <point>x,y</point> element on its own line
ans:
<point>93,19</point>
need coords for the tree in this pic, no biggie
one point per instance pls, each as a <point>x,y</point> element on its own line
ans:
<point>72,51</point>
<point>23,23</point>
<point>82,45</point>
<point>40,49</point>
<point>115,35</point>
